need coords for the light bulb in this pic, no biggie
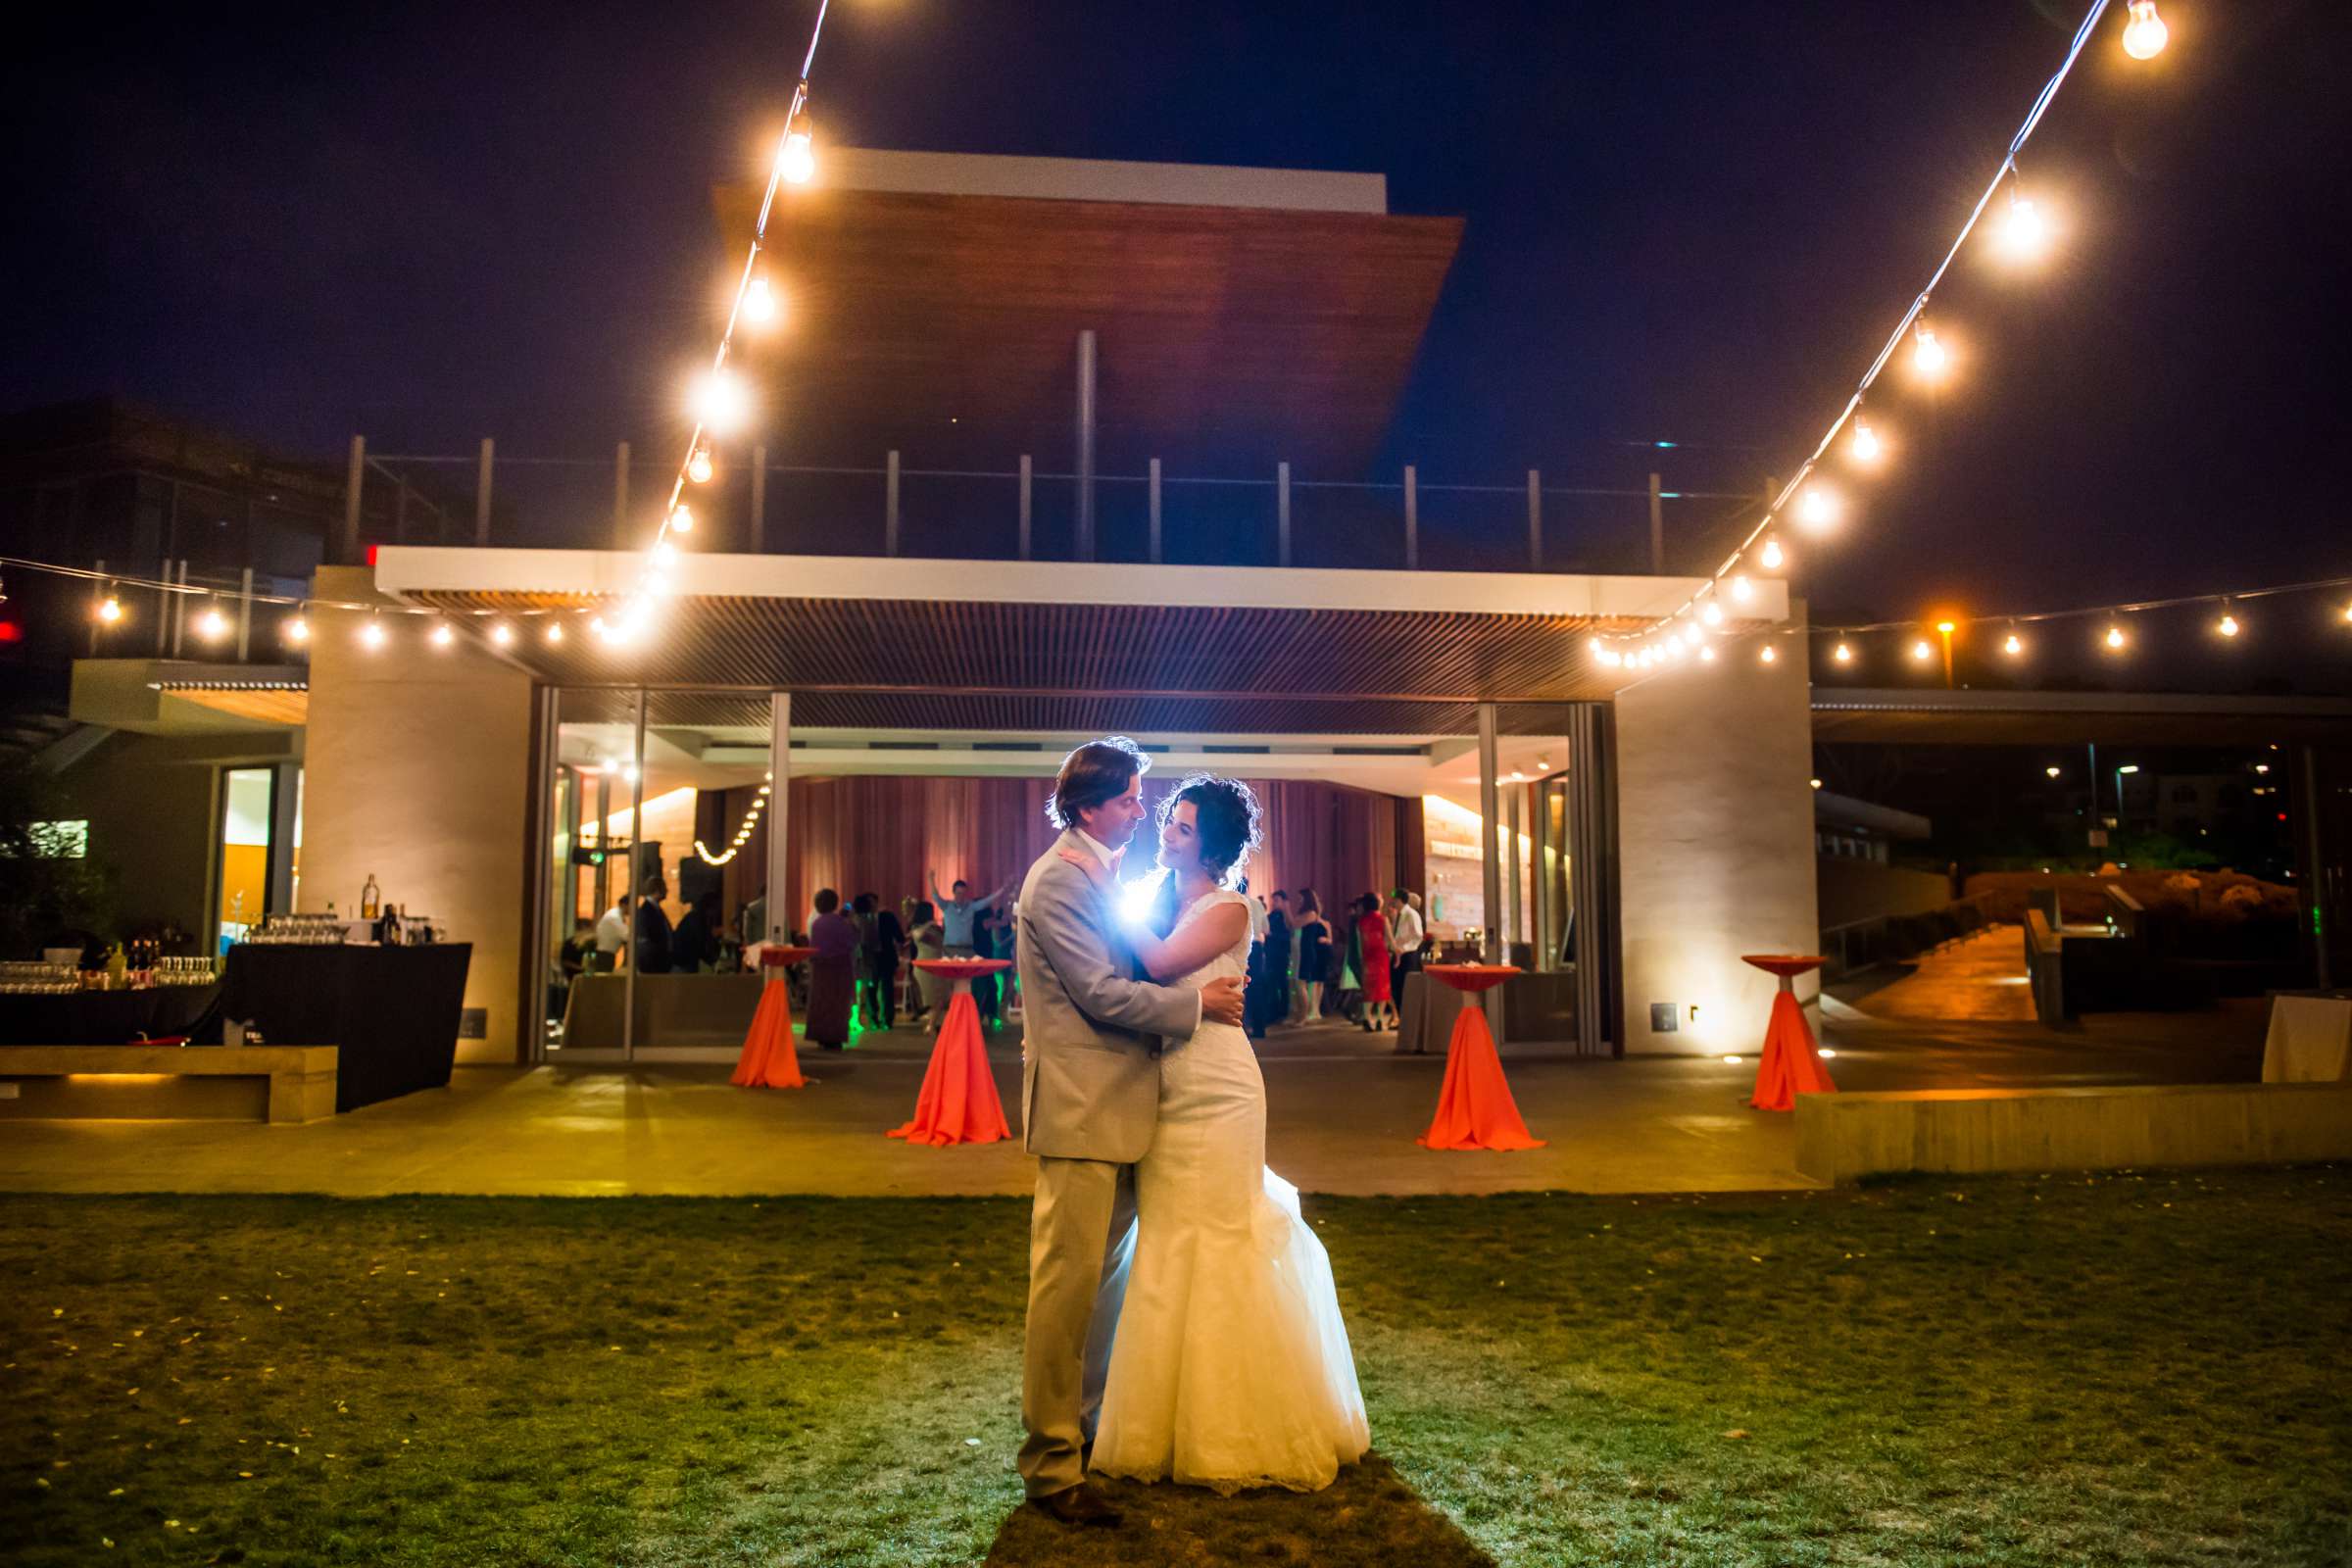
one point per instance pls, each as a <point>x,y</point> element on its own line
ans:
<point>110,610</point>
<point>666,554</point>
<point>2145,34</point>
<point>759,301</point>
<point>372,633</point>
<point>800,152</point>
<point>720,400</point>
<point>444,635</point>
<point>1817,508</point>
<point>2024,234</point>
<point>1843,654</point>
<point>1692,635</point>
<point>502,634</point>
<point>554,631</point>
<point>2114,638</point>
<point>2013,645</point>
<point>1712,612</point>
<point>212,625</point>
<point>1928,356</point>
<point>1741,589</point>
<point>698,466</point>
<point>1772,557</point>
<point>1922,650</point>
<point>1768,655</point>
<point>2227,624</point>
<point>2051,771</point>
<point>1596,648</point>
<point>1706,654</point>
<point>596,625</point>
<point>1866,445</point>
<point>682,519</point>
<point>297,630</point>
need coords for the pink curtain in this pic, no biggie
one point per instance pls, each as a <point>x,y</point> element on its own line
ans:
<point>887,835</point>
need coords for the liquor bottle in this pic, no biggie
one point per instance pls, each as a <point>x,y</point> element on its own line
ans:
<point>368,898</point>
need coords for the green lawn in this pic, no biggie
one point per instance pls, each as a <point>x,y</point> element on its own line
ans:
<point>2063,1371</point>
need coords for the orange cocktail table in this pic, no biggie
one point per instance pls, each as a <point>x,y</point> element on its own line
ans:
<point>1475,1108</point>
<point>1789,1067</point>
<point>768,1060</point>
<point>958,1103</point>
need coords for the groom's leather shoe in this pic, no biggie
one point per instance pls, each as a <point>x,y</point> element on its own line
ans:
<point>1080,1505</point>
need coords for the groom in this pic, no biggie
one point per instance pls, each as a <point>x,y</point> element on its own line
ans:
<point>1090,1103</point>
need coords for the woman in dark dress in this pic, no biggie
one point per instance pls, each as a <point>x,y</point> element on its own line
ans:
<point>832,973</point>
<point>1314,946</point>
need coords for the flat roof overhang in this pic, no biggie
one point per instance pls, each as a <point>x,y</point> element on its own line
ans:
<point>868,643</point>
<point>1892,716</point>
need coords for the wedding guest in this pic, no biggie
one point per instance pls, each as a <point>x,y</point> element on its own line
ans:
<point>694,946</point>
<point>958,910</point>
<point>992,938</point>
<point>653,935</point>
<point>929,939</point>
<point>885,941</point>
<point>1314,947</point>
<point>1380,1010</point>
<point>1406,934</point>
<point>832,972</point>
<point>1276,1004</point>
<point>613,933</point>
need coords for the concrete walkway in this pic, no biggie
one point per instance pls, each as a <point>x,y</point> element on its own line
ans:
<point>1980,976</point>
<point>1342,1112</point>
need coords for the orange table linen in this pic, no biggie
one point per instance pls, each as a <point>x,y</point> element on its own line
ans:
<point>1475,1107</point>
<point>958,1103</point>
<point>768,1060</point>
<point>1789,1067</point>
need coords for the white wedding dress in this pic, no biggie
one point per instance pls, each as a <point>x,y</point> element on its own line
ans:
<point>1231,1367</point>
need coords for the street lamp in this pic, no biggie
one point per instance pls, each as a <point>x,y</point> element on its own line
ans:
<point>1944,629</point>
<point>2128,768</point>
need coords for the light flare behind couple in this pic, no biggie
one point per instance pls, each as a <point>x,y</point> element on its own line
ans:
<point>1182,1319</point>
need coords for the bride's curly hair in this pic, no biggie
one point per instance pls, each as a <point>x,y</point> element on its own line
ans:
<point>1228,819</point>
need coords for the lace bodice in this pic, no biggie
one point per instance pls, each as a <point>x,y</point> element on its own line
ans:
<point>1234,961</point>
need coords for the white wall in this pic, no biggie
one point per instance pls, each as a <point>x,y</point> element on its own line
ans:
<point>1715,840</point>
<point>419,773</point>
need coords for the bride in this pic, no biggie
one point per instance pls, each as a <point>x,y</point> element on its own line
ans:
<point>1231,1367</point>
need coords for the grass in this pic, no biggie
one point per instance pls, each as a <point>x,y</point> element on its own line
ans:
<point>2064,1371</point>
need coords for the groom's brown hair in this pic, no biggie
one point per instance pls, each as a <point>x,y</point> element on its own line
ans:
<point>1092,773</point>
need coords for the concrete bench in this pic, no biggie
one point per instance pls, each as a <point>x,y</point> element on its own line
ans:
<point>291,1084</point>
<point>1843,1138</point>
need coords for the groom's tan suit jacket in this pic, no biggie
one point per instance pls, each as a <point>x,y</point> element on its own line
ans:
<point>1092,1036</point>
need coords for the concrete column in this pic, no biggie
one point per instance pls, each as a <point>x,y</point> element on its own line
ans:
<point>420,771</point>
<point>781,915</point>
<point>1153,503</point>
<point>1591,914</point>
<point>890,504</point>
<point>1715,830</point>
<point>1512,930</point>
<point>1086,444</point>
<point>1489,817</point>
<point>620,497</point>
<point>1282,513</point>
<point>1412,518</point>
<point>481,496</point>
<point>758,530</point>
<point>1026,490</point>
<point>353,477</point>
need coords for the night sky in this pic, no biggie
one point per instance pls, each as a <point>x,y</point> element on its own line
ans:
<point>1687,223</point>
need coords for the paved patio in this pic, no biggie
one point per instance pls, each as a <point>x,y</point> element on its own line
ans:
<point>1344,1111</point>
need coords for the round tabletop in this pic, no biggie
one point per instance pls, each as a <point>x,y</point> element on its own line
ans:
<point>775,956</point>
<point>963,968</point>
<point>1471,976</point>
<point>1784,964</point>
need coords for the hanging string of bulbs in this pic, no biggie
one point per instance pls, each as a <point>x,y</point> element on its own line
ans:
<point>2021,233</point>
<point>743,834</point>
<point>2115,635</point>
<point>721,402</point>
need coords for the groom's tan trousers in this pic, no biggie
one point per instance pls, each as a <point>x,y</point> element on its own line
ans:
<point>1080,1241</point>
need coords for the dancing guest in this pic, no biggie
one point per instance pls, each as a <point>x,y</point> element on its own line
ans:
<point>832,972</point>
<point>927,936</point>
<point>1275,968</point>
<point>1380,1007</point>
<point>959,911</point>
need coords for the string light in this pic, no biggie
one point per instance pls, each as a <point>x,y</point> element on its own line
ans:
<point>698,466</point>
<point>1922,650</point>
<point>800,151</point>
<point>1742,590</point>
<point>682,519</point>
<point>210,625</point>
<point>1928,356</point>
<point>2013,645</point>
<point>1712,613</point>
<point>554,631</point>
<point>2115,639</point>
<point>1866,447</point>
<point>1773,556</point>
<point>2024,234</point>
<point>720,400</point>
<point>2145,34</point>
<point>1706,654</point>
<point>1843,654</point>
<point>297,630</point>
<point>110,609</point>
<point>759,301</point>
<point>444,635</point>
<point>2227,624</point>
<point>372,633</point>
<point>1818,506</point>
<point>1768,655</point>
<point>502,634</point>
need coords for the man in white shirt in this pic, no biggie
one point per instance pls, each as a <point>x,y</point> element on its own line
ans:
<point>1406,936</point>
<point>613,934</point>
